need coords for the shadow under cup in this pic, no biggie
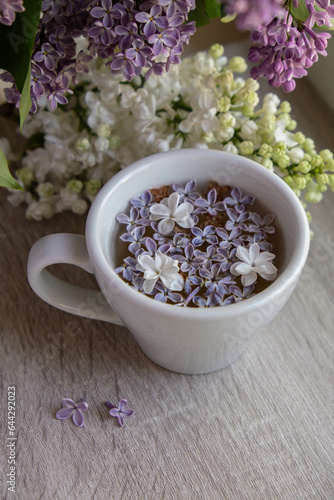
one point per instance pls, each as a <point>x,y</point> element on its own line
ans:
<point>195,340</point>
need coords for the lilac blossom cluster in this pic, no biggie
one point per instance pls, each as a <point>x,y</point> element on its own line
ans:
<point>129,36</point>
<point>206,250</point>
<point>8,9</point>
<point>250,14</point>
<point>286,47</point>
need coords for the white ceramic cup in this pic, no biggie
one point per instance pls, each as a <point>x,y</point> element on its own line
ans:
<point>182,339</point>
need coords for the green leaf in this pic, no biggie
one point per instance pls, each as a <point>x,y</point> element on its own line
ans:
<point>25,102</point>
<point>6,179</point>
<point>199,14</point>
<point>213,8</point>
<point>299,13</point>
<point>17,42</point>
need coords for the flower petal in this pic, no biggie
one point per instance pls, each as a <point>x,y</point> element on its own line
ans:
<point>78,418</point>
<point>64,413</point>
<point>166,226</point>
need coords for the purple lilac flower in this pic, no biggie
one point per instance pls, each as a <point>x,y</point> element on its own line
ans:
<point>236,219</point>
<point>208,235</point>
<point>243,294</point>
<point>260,239</point>
<point>260,224</point>
<point>139,52</point>
<point>128,268</point>
<point>132,220</point>
<point>152,20</point>
<point>229,239</point>
<point>162,294</point>
<point>189,259</point>
<point>210,255</point>
<point>286,47</point>
<point>209,205</point>
<point>74,410</point>
<point>187,191</point>
<point>252,13</point>
<point>238,201</point>
<point>227,257</point>
<point>120,411</point>
<point>134,238</point>
<point>8,9</point>
<point>143,202</point>
<point>106,13</point>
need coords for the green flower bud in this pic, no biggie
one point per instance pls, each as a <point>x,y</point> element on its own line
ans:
<point>208,137</point>
<point>309,145</point>
<point>103,131</point>
<point>326,155</point>
<point>285,107</point>
<point>216,51</point>
<point>265,150</point>
<point>322,179</point>
<point>289,180</point>
<point>304,167</point>
<point>93,186</point>
<point>322,188</point>
<point>246,148</point>
<point>330,165</point>
<point>224,104</point>
<point>316,161</point>
<point>279,150</point>
<point>299,137</point>
<point>267,163</point>
<point>237,64</point>
<point>292,124</point>
<point>45,189</point>
<point>25,175</point>
<point>115,142</point>
<point>313,197</point>
<point>296,191</point>
<point>82,145</point>
<point>299,182</point>
<point>283,161</point>
<point>75,186</point>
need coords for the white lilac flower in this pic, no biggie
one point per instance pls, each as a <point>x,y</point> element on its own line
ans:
<point>161,268</point>
<point>172,213</point>
<point>253,262</point>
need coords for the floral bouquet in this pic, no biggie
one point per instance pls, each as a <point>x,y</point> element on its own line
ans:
<point>43,56</point>
<point>110,122</point>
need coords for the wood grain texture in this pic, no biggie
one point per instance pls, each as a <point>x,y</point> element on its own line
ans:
<point>260,429</point>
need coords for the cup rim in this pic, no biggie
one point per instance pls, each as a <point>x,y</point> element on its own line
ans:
<point>287,278</point>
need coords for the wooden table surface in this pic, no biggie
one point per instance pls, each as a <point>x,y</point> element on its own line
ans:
<point>259,429</point>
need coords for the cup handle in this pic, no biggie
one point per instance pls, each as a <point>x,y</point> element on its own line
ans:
<point>65,248</point>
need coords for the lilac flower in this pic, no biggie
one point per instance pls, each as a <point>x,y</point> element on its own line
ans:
<point>162,40</point>
<point>74,410</point>
<point>152,20</point>
<point>173,6</point>
<point>120,411</point>
<point>162,294</point>
<point>242,295</point>
<point>227,258</point>
<point>139,52</point>
<point>8,9</point>
<point>187,191</point>
<point>210,255</point>
<point>161,267</point>
<point>236,219</point>
<point>179,242</point>
<point>252,13</point>
<point>206,235</point>
<point>132,220</point>
<point>143,202</point>
<point>189,259</point>
<point>106,13</point>
<point>209,205</point>
<point>260,224</point>
<point>229,239</point>
<point>134,238</point>
<point>48,55</point>
<point>260,239</point>
<point>253,262</point>
<point>38,80</point>
<point>57,96</point>
<point>128,268</point>
<point>172,213</point>
<point>238,201</point>
<point>128,34</point>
